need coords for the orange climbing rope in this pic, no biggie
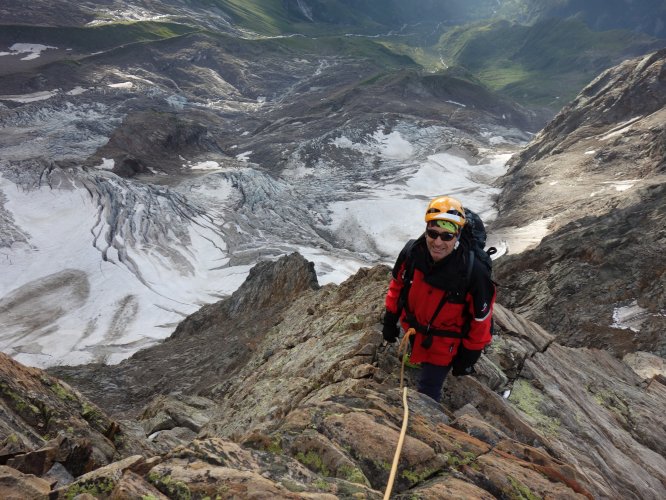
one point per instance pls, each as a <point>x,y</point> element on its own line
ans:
<point>405,416</point>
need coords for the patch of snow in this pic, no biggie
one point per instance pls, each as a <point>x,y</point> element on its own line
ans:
<point>130,13</point>
<point>244,157</point>
<point>515,240</point>
<point>457,104</point>
<point>629,317</point>
<point>389,146</point>
<point>34,50</point>
<point>133,77</point>
<point>331,268</point>
<point>177,101</point>
<point>305,9</point>
<point>393,145</point>
<point>591,152</point>
<point>391,214</point>
<point>122,85</point>
<point>26,98</point>
<point>620,128</point>
<point>323,64</point>
<point>77,91</point>
<point>622,185</point>
<point>495,140</point>
<point>102,312</point>
<point>298,170</point>
<point>107,164</point>
<point>206,165</point>
<point>342,142</point>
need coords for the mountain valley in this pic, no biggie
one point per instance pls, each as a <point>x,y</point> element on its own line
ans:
<point>199,202</point>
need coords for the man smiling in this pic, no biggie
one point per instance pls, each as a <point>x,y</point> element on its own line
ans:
<point>446,295</point>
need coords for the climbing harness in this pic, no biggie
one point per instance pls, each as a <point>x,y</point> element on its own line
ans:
<point>405,416</point>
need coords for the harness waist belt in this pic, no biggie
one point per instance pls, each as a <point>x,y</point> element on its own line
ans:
<point>433,331</point>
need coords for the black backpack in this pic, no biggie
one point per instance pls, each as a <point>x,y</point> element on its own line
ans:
<point>474,233</point>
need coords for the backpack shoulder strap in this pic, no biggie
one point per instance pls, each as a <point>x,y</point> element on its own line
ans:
<point>470,269</point>
<point>403,256</point>
<point>407,258</point>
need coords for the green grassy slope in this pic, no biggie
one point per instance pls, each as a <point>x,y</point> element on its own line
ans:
<point>642,16</point>
<point>545,64</point>
<point>273,17</point>
<point>94,38</point>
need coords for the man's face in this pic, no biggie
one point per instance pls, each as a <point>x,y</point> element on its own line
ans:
<point>437,247</point>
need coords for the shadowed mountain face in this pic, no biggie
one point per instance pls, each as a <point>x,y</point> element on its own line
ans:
<point>648,16</point>
<point>596,174</point>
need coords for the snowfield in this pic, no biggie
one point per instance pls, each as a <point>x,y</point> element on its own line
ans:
<point>107,266</point>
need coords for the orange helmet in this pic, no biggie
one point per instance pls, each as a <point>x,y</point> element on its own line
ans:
<point>446,208</point>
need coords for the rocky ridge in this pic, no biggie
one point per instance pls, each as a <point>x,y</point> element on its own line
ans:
<point>312,409</point>
<point>596,176</point>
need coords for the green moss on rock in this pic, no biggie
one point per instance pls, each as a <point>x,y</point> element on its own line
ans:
<point>529,401</point>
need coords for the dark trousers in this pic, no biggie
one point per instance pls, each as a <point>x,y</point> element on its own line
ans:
<point>431,380</point>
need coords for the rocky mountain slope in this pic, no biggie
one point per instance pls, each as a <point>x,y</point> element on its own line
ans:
<point>284,389</point>
<point>312,409</point>
<point>596,175</point>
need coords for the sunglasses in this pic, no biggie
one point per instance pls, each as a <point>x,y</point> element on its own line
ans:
<point>433,235</point>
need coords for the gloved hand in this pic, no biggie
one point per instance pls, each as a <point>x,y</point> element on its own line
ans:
<point>463,363</point>
<point>391,329</point>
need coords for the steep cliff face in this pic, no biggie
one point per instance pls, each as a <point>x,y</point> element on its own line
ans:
<point>312,407</point>
<point>596,175</point>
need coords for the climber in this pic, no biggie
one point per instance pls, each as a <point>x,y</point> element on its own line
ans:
<point>445,294</point>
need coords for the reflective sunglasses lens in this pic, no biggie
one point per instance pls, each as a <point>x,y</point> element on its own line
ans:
<point>444,236</point>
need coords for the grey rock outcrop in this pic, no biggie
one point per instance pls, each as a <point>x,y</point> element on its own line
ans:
<point>317,395</point>
<point>207,348</point>
<point>49,429</point>
<point>597,175</point>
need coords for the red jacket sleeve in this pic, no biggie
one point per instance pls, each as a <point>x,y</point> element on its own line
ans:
<point>482,299</point>
<point>394,289</point>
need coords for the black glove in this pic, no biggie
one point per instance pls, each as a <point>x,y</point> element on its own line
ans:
<point>391,329</point>
<point>463,363</point>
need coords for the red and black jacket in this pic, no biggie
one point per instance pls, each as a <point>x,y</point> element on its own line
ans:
<point>448,302</point>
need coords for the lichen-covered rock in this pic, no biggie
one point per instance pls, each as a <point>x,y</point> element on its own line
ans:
<point>15,485</point>
<point>167,412</point>
<point>645,364</point>
<point>446,487</point>
<point>314,410</point>
<point>597,416</point>
<point>44,421</point>
<point>215,466</point>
